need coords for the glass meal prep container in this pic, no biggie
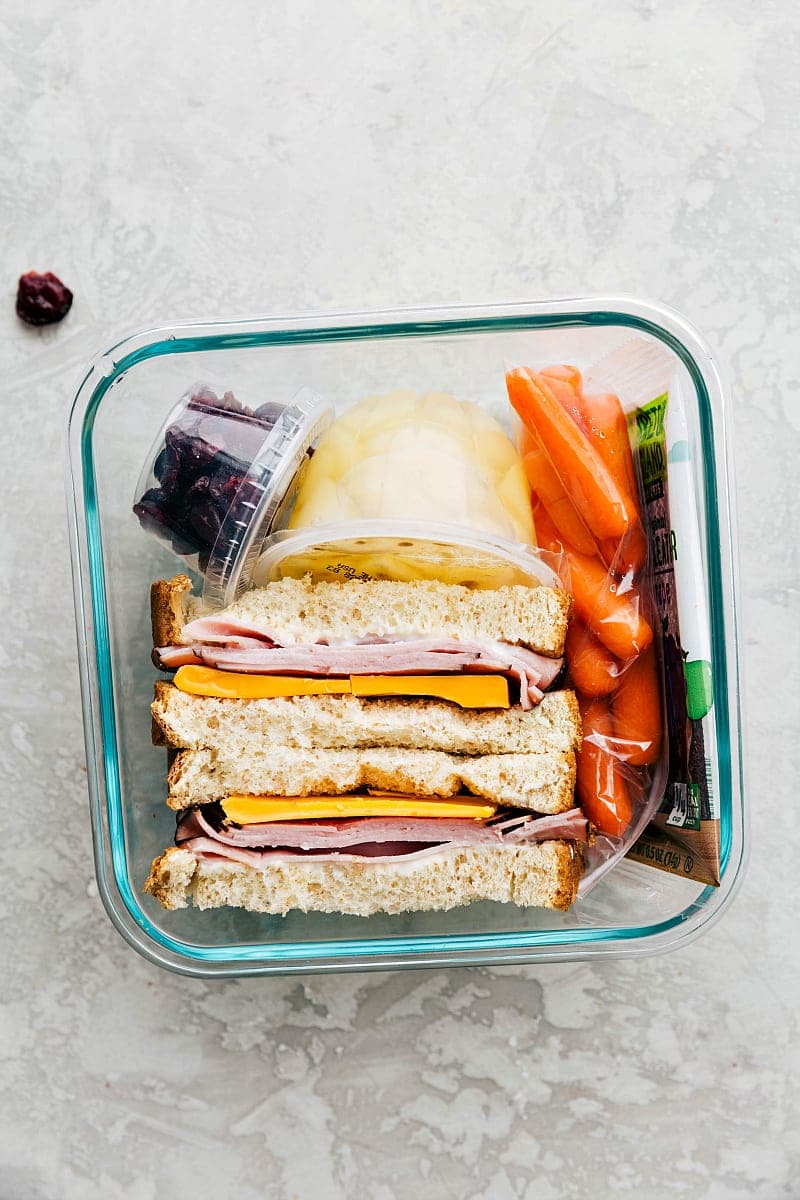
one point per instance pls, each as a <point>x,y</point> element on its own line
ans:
<point>123,400</point>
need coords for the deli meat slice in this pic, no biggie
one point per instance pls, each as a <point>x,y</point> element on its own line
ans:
<point>169,658</point>
<point>336,833</point>
<point>207,848</point>
<point>533,672</point>
<point>397,658</point>
<point>222,631</point>
<point>567,826</point>
<point>368,837</point>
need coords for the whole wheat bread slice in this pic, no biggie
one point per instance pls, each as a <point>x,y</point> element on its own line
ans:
<point>540,782</point>
<point>298,611</point>
<point>313,722</point>
<point>544,875</point>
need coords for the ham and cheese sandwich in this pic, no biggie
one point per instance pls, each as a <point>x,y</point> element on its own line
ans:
<point>294,627</point>
<point>367,746</point>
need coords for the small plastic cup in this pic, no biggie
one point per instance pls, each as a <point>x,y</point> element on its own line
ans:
<point>220,478</point>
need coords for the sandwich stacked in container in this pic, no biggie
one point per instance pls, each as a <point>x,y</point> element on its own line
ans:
<point>368,746</point>
<point>377,737</point>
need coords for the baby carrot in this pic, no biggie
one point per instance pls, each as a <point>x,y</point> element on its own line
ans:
<point>545,482</point>
<point>583,473</point>
<point>636,711</point>
<point>566,373</point>
<point>600,782</point>
<point>614,617</point>
<point>604,420</point>
<point>565,392</point>
<point>592,669</point>
<point>628,554</point>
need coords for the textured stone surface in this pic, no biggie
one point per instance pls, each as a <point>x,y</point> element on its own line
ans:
<point>203,160</point>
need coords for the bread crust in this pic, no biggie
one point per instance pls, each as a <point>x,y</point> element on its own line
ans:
<point>544,875</point>
<point>168,600</point>
<point>160,732</point>
<point>171,877</point>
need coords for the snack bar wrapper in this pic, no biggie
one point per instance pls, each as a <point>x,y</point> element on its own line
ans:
<point>683,835</point>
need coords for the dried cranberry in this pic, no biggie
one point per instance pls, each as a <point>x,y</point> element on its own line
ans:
<point>223,489</point>
<point>268,414</point>
<point>42,299</point>
<point>204,516</point>
<point>229,403</point>
<point>166,468</point>
<point>248,495</point>
<point>157,514</point>
<point>205,398</point>
<point>184,543</point>
<point>151,509</point>
<point>193,454</point>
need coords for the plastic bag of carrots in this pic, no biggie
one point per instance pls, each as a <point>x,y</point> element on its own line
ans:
<point>588,515</point>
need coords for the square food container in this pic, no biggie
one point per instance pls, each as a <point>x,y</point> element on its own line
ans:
<point>122,401</point>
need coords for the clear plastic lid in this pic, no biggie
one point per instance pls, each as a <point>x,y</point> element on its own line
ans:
<point>401,550</point>
<point>221,477</point>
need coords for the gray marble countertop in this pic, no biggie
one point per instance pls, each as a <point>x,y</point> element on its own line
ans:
<point>198,160</point>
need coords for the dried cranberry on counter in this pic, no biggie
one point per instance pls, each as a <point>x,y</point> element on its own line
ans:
<point>42,299</point>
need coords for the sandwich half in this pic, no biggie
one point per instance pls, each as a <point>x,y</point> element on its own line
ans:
<point>367,746</point>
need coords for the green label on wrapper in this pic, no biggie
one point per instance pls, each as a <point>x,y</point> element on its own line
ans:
<point>650,422</point>
<point>649,428</point>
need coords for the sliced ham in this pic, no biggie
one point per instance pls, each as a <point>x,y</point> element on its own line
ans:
<point>169,658</point>
<point>336,833</point>
<point>376,838</point>
<point>336,660</point>
<point>570,826</point>
<point>207,848</point>
<point>221,631</point>
<point>533,672</point>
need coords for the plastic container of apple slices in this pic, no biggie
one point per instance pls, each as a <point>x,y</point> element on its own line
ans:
<point>118,410</point>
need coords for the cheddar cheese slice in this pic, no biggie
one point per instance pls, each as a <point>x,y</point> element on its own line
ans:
<point>234,685</point>
<point>468,691</point>
<point>256,810</point>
